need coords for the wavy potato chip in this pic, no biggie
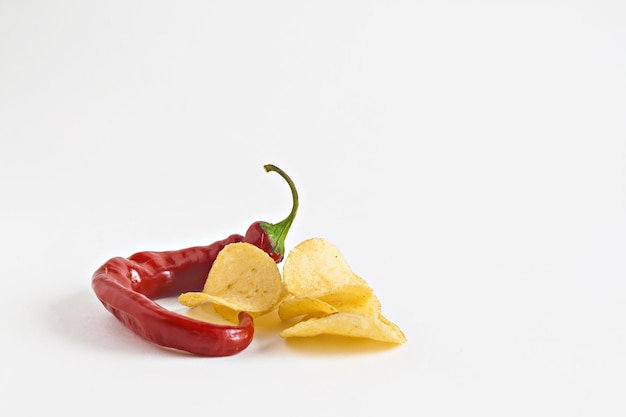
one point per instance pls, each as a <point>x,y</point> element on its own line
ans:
<point>304,306</point>
<point>354,299</point>
<point>243,278</point>
<point>347,324</point>
<point>227,313</point>
<point>316,285</point>
<point>232,315</point>
<point>193,299</point>
<point>315,267</point>
<point>352,293</point>
<point>247,304</point>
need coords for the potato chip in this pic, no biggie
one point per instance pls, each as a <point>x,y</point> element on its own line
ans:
<point>349,294</point>
<point>232,315</point>
<point>315,267</point>
<point>354,298</point>
<point>206,312</point>
<point>227,313</point>
<point>347,324</point>
<point>386,321</point>
<point>317,285</point>
<point>304,306</point>
<point>193,299</point>
<point>243,278</point>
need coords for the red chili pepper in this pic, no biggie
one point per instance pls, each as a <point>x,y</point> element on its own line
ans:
<point>127,287</point>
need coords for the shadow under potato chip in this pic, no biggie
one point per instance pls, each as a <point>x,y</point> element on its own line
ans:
<point>270,325</point>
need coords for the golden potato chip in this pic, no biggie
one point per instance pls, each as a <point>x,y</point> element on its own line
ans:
<point>227,313</point>
<point>243,278</point>
<point>349,294</point>
<point>347,324</point>
<point>317,285</point>
<point>248,304</point>
<point>232,315</point>
<point>315,267</point>
<point>354,298</point>
<point>193,299</point>
<point>386,321</point>
<point>206,312</point>
<point>304,306</point>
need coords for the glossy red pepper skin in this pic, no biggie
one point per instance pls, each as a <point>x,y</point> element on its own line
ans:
<point>260,238</point>
<point>170,273</point>
<point>128,288</point>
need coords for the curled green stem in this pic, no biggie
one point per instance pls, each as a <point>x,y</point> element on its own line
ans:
<point>277,232</point>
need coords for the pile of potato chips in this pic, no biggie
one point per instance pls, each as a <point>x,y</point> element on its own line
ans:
<point>317,292</point>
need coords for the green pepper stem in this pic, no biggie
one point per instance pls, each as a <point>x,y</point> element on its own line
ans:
<point>278,232</point>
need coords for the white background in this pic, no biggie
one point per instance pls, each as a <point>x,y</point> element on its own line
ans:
<point>468,159</point>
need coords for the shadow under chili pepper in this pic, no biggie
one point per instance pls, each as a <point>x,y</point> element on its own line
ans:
<point>79,318</point>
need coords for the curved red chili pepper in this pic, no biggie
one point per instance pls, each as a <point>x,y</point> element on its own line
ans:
<point>127,287</point>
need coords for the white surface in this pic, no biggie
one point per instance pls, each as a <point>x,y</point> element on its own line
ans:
<point>468,158</point>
